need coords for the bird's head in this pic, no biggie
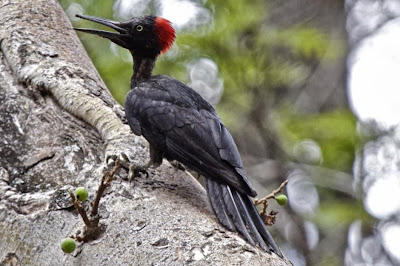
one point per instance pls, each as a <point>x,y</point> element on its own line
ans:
<point>146,36</point>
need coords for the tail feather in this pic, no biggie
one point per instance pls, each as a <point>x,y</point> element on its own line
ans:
<point>237,212</point>
<point>261,226</point>
<point>234,212</point>
<point>245,212</point>
<point>217,200</point>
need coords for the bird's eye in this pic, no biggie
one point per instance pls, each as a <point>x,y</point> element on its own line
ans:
<point>139,27</point>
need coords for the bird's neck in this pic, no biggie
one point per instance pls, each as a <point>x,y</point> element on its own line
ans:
<point>142,69</point>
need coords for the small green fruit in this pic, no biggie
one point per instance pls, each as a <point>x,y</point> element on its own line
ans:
<point>281,199</point>
<point>81,193</point>
<point>68,245</point>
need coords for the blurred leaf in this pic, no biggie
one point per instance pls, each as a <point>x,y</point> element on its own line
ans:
<point>335,132</point>
<point>340,214</point>
<point>331,260</point>
<point>310,43</point>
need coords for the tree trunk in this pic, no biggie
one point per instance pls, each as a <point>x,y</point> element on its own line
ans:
<point>57,122</point>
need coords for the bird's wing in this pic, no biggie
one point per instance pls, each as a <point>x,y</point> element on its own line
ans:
<point>206,146</point>
<point>198,139</point>
<point>134,125</point>
<point>180,122</point>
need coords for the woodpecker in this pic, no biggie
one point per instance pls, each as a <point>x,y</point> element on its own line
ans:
<point>180,125</point>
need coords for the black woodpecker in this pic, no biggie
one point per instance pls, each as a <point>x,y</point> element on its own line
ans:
<point>180,125</point>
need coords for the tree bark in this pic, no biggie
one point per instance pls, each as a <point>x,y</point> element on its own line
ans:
<point>58,122</point>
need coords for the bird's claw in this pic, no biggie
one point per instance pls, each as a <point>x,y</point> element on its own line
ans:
<point>134,170</point>
<point>110,160</point>
<point>137,170</point>
<point>121,148</point>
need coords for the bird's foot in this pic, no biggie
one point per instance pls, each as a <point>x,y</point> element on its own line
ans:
<point>136,170</point>
<point>129,150</point>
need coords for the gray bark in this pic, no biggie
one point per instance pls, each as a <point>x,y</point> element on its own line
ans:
<point>58,121</point>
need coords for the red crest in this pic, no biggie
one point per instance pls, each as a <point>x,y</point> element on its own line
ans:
<point>164,32</point>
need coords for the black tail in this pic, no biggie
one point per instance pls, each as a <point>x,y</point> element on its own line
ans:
<point>237,212</point>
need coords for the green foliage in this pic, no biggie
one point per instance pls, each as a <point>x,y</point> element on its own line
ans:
<point>251,55</point>
<point>331,260</point>
<point>335,132</point>
<point>341,214</point>
<point>310,43</point>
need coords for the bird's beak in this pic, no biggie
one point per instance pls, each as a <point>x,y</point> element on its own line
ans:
<point>116,37</point>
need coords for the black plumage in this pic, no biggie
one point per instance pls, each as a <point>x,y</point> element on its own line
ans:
<point>178,122</point>
<point>180,125</point>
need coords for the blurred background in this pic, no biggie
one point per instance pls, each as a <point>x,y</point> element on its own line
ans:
<point>310,91</point>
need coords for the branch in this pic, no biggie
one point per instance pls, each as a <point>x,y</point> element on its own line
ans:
<point>81,210</point>
<point>272,194</point>
<point>271,217</point>
<point>104,183</point>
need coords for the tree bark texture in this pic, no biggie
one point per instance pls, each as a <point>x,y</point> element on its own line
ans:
<point>58,121</point>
